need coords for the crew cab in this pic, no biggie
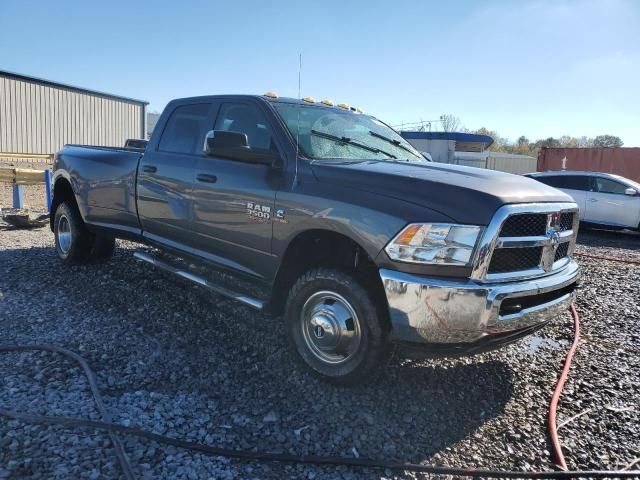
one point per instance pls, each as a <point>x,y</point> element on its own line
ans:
<point>329,219</point>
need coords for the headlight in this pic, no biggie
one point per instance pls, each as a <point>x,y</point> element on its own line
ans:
<point>434,243</point>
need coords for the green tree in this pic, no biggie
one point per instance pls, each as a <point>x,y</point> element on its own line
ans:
<point>522,146</point>
<point>607,141</point>
<point>500,144</point>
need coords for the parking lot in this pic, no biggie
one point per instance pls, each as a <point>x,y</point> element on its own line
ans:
<point>175,360</point>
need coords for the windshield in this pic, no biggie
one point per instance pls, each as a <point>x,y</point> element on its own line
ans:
<point>330,133</point>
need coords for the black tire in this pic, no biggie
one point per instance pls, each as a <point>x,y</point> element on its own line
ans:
<point>75,244</point>
<point>322,299</point>
<point>73,241</point>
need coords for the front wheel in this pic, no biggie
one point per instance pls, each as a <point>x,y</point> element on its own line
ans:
<point>337,328</point>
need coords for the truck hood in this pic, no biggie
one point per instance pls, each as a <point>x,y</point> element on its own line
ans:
<point>466,194</point>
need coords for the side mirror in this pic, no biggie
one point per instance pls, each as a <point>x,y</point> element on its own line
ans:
<point>222,139</point>
<point>630,191</point>
<point>235,146</point>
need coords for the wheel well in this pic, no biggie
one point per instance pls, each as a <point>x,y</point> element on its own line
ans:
<point>61,191</point>
<point>323,248</point>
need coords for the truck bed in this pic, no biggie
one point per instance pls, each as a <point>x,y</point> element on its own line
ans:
<point>104,180</point>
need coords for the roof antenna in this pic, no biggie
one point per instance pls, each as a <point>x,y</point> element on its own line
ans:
<point>295,177</point>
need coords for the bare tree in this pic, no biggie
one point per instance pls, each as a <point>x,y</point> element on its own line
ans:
<point>450,123</point>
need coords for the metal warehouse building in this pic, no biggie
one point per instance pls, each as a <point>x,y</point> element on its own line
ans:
<point>470,149</point>
<point>39,116</point>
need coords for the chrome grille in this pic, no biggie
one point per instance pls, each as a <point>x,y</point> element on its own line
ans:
<point>566,221</point>
<point>525,225</point>
<point>562,251</point>
<point>515,259</point>
<point>526,241</point>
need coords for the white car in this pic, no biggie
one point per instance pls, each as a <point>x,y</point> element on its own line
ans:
<point>604,199</point>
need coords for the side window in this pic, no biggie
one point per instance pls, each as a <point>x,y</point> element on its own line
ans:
<point>244,118</point>
<point>576,182</point>
<point>184,132</point>
<point>551,181</point>
<point>609,186</point>
<point>569,182</point>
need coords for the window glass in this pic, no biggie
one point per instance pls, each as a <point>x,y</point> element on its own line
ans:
<point>331,132</point>
<point>569,182</point>
<point>551,181</point>
<point>243,118</point>
<point>576,182</point>
<point>184,132</point>
<point>609,186</point>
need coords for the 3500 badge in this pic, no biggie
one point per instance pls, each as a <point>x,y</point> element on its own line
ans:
<point>259,212</point>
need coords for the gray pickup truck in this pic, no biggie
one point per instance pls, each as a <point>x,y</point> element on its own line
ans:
<point>327,217</point>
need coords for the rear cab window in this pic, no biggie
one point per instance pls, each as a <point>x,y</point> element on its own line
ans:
<point>185,129</point>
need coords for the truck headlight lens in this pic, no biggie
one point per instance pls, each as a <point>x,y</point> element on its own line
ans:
<point>434,243</point>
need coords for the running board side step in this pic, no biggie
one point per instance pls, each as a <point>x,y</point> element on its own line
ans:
<point>249,301</point>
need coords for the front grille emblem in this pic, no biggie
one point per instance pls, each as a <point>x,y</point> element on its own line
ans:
<point>555,221</point>
<point>553,234</point>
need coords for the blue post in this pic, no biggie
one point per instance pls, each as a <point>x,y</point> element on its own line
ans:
<point>18,196</point>
<point>47,186</point>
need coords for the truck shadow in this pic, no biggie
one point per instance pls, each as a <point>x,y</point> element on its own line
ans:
<point>163,335</point>
<point>626,240</point>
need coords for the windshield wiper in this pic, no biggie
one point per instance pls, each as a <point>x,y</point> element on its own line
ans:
<point>396,143</point>
<point>349,141</point>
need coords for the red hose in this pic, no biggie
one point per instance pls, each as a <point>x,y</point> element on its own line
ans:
<point>553,406</point>
<point>610,259</point>
<point>553,431</point>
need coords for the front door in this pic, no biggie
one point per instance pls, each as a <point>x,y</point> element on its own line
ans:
<point>609,205</point>
<point>166,174</point>
<point>233,201</point>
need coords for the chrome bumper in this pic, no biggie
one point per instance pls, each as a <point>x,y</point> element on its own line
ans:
<point>444,312</point>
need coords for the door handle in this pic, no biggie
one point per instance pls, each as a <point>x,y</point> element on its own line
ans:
<point>149,169</point>
<point>206,178</point>
<point>593,200</point>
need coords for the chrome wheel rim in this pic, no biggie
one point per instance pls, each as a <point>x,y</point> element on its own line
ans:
<point>330,327</point>
<point>64,234</point>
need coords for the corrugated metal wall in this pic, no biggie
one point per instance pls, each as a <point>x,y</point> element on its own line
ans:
<point>441,151</point>
<point>504,162</point>
<point>40,118</point>
<point>622,161</point>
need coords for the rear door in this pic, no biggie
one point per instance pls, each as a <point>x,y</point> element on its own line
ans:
<point>576,186</point>
<point>608,204</point>
<point>234,200</point>
<point>166,175</point>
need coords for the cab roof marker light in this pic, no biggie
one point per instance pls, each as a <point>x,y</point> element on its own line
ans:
<point>309,99</point>
<point>327,102</point>
<point>344,106</point>
<point>271,94</point>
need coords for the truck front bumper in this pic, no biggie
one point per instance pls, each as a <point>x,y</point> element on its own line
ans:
<point>446,317</point>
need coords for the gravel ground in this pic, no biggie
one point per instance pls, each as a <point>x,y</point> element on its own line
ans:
<point>175,360</point>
